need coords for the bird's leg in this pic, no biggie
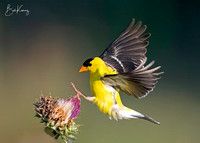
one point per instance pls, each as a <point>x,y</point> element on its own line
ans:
<point>79,93</point>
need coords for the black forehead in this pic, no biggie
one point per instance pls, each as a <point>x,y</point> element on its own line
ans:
<point>87,62</point>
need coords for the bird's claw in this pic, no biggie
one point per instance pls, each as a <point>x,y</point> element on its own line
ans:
<point>80,94</point>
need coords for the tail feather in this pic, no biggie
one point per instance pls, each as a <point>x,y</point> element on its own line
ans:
<point>150,119</point>
<point>123,112</point>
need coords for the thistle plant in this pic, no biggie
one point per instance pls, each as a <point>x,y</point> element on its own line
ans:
<point>58,115</point>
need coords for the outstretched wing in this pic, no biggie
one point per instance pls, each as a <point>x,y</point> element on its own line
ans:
<point>138,82</point>
<point>128,50</point>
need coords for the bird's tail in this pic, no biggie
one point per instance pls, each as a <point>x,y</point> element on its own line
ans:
<point>123,112</point>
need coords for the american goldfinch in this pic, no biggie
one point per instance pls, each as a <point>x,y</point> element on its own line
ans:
<point>121,67</point>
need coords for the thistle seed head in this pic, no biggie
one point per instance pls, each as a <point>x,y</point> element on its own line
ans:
<point>58,115</point>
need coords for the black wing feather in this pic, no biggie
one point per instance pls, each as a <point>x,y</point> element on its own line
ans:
<point>128,50</point>
<point>138,82</point>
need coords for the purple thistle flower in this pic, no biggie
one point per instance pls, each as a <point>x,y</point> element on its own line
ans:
<point>76,106</point>
<point>66,110</point>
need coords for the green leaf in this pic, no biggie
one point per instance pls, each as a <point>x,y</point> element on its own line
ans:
<point>50,132</point>
<point>57,136</point>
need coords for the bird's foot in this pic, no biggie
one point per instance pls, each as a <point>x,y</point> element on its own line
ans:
<point>90,98</point>
<point>80,94</point>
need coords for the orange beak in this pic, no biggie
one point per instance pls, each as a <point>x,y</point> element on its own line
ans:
<point>83,69</point>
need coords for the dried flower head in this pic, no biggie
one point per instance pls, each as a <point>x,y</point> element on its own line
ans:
<point>58,115</point>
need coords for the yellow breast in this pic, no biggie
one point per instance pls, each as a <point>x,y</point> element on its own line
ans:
<point>103,93</point>
<point>104,97</point>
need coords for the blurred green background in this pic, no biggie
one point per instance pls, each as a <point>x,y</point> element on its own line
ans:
<point>44,51</point>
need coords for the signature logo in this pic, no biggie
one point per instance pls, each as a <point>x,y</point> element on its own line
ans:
<point>16,10</point>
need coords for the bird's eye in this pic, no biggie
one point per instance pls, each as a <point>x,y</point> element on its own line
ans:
<point>89,65</point>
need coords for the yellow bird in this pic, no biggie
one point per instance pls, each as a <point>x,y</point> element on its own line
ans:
<point>122,67</point>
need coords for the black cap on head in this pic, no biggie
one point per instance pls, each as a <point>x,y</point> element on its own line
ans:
<point>87,62</point>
